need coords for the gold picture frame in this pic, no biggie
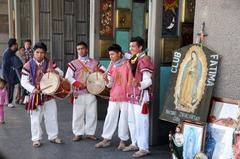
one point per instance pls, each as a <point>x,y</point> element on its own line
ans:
<point>103,45</point>
<point>168,45</point>
<point>123,19</point>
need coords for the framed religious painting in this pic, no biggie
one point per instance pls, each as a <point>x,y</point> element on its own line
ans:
<point>170,18</point>
<point>168,45</point>
<point>226,113</point>
<point>191,84</point>
<point>123,19</point>
<point>186,34</point>
<point>106,19</point>
<point>219,141</point>
<point>193,138</point>
<point>189,10</point>
<point>104,44</point>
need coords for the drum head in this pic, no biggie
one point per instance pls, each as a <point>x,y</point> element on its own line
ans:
<point>95,83</point>
<point>49,83</point>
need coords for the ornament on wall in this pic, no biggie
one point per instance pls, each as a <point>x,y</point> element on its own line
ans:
<point>106,18</point>
<point>170,18</point>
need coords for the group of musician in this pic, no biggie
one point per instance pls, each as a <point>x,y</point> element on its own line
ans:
<point>129,80</point>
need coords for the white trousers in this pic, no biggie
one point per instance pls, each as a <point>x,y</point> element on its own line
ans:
<point>138,126</point>
<point>49,111</point>
<point>84,115</point>
<point>111,121</point>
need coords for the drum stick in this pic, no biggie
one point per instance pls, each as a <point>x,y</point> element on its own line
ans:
<point>45,88</point>
<point>108,67</point>
<point>106,72</point>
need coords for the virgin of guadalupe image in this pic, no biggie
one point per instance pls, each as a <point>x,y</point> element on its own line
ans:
<point>210,143</point>
<point>190,147</point>
<point>191,80</point>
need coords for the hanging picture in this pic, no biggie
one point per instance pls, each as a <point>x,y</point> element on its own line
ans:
<point>168,45</point>
<point>193,138</point>
<point>123,19</point>
<point>193,75</point>
<point>170,18</point>
<point>106,18</point>
<point>186,33</point>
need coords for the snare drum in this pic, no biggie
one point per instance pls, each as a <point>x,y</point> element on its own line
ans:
<point>96,85</point>
<point>53,84</point>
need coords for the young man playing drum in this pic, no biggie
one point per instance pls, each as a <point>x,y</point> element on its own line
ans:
<point>39,104</point>
<point>84,120</point>
<point>117,79</point>
<point>139,92</point>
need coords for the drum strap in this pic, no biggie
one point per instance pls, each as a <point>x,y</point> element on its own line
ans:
<point>85,68</point>
<point>85,71</point>
<point>33,69</point>
<point>37,99</point>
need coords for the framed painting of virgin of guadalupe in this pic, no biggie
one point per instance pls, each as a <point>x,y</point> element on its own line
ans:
<point>194,71</point>
<point>193,138</point>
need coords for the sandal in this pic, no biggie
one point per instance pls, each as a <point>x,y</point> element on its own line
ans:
<point>130,148</point>
<point>104,143</point>
<point>121,145</point>
<point>77,138</point>
<point>56,141</point>
<point>140,153</point>
<point>91,137</point>
<point>36,144</point>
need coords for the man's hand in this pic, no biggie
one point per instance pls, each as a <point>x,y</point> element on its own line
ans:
<point>105,78</point>
<point>77,84</point>
<point>36,91</point>
<point>136,83</point>
<point>52,70</point>
<point>83,86</point>
<point>80,85</point>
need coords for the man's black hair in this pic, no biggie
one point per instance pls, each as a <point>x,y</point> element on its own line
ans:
<point>11,42</point>
<point>115,47</point>
<point>139,40</point>
<point>40,45</point>
<point>28,40</point>
<point>82,43</point>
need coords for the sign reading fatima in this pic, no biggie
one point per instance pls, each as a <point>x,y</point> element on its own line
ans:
<point>194,70</point>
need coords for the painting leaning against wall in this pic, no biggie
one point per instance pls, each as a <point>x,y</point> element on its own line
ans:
<point>193,138</point>
<point>194,70</point>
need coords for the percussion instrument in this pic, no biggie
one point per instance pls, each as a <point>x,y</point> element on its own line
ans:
<point>96,85</point>
<point>52,84</point>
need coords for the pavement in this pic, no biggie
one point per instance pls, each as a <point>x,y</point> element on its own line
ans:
<point>15,140</point>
